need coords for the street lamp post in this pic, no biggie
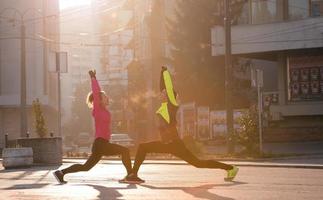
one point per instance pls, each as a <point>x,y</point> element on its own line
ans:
<point>59,114</point>
<point>257,81</point>
<point>23,90</point>
<point>61,67</point>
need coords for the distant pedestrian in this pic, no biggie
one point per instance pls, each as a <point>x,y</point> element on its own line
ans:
<point>99,103</point>
<point>170,141</point>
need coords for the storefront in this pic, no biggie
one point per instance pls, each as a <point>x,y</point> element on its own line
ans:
<point>305,78</point>
<point>287,34</point>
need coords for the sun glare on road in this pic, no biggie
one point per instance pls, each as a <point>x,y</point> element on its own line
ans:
<point>63,4</point>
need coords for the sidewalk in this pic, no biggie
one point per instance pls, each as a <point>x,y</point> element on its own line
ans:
<point>163,181</point>
<point>306,162</point>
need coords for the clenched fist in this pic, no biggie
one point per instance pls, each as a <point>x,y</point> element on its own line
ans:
<point>92,73</point>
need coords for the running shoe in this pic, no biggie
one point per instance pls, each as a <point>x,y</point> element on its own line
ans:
<point>132,179</point>
<point>231,174</point>
<point>123,180</point>
<point>58,174</point>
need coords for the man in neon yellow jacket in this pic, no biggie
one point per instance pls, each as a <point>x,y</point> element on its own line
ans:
<point>170,141</point>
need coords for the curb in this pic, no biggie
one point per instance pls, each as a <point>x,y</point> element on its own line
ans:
<point>178,162</point>
<point>296,166</point>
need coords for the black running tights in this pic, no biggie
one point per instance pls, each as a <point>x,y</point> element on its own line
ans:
<point>178,149</point>
<point>101,148</point>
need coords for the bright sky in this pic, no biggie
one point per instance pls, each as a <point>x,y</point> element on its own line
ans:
<point>63,4</point>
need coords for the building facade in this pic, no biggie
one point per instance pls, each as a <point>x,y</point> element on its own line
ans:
<point>80,38</point>
<point>287,34</point>
<point>115,37</point>
<point>41,38</point>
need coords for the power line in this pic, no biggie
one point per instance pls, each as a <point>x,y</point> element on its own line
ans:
<point>120,4</point>
<point>96,13</point>
<point>86,16</point>
<point>46,39</point>
<point>17,23</point>
<point>62,43</point>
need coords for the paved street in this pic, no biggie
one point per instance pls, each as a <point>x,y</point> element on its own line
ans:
<point>163,181</point>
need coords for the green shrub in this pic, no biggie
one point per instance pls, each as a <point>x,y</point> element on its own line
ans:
<point>40,127</point>
<point>248,135</point>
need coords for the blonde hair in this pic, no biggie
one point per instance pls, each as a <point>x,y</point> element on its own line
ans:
<point>89,98</point>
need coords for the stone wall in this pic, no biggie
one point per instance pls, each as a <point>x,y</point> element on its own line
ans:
<point>46,150</point>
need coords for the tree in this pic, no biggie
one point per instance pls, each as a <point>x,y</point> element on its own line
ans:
<point>81,120</point>
<point>137,99</point>
<point>40,126</point>
<point>199,75</point>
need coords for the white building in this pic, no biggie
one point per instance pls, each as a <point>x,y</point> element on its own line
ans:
<point>80,38</point>
<point>119,55</point>
<point>288,35</point>
<point>115,36</point>
<point>41,25</point>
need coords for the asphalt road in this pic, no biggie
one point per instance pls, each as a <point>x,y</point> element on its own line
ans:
<point>163,182</point>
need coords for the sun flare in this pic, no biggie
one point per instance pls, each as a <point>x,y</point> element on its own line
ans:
<point>64,4</point>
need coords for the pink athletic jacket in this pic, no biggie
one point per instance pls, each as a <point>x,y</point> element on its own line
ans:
<point>102,116</point>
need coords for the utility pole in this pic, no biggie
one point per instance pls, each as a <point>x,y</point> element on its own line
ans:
<point>228,77</point>
<point>59,107</point>
<point>259,84</point>
<point>23,113</point>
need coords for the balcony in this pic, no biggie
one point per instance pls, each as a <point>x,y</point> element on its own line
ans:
<point>288,35</point>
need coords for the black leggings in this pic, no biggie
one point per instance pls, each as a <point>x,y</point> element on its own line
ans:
<point>178,149</point>
<point>101,148</point>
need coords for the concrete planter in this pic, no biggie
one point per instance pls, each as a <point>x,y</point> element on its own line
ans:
<point>17,157</point>
<point>46,150</point>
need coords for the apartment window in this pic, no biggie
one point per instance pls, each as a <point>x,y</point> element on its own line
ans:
<point>266,11</point>
<point>316,8</point>
<point>244,16</point>
<point>298,9</point>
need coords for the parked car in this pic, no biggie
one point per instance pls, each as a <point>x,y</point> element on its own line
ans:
<point>122,139</point>
<point>84,139</point>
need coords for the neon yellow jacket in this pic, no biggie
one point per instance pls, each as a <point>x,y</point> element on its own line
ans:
<point>168,109</point>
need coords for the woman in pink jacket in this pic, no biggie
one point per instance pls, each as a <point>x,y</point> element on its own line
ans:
<point>99,102</point>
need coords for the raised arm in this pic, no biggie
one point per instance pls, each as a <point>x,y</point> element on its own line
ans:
<point>95,89</point>
<point>166,84</point>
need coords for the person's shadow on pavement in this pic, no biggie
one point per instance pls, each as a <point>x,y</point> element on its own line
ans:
<point>27,186</point>
<point>110,192</point>
<point>201,191</point>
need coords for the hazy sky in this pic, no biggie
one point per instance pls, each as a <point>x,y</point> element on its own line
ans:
<point>63,4</point>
